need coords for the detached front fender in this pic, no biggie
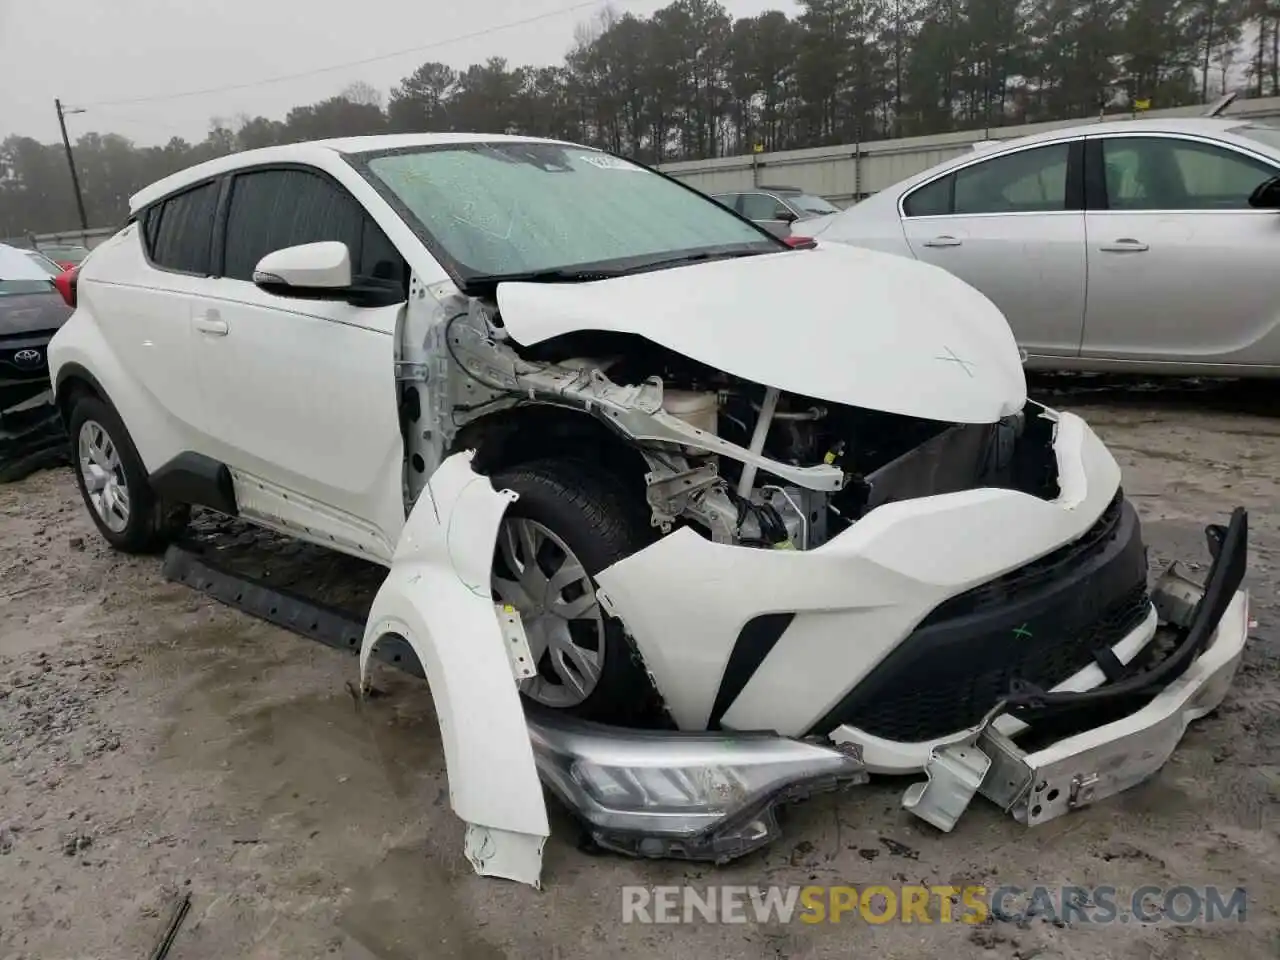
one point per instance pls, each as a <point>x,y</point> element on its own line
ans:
<point>437,598</point>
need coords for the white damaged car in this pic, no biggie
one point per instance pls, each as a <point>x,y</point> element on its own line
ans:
<point>681,521</point>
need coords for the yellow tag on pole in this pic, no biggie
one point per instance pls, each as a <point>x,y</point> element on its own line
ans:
<point>1142,104</point>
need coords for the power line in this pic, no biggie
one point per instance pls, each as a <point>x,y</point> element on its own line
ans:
<point>584,4</point>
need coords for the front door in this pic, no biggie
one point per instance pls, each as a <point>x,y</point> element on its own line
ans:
<point>1181,269</point>
<point>1011,226</point>
<point>767,211</point>
<point>301,393</point>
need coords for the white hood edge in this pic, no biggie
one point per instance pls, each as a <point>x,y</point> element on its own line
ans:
<point>840,324</point>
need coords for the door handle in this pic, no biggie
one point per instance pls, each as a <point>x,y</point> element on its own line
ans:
<point>212,324</point>
<point>944,242</point>
<point>1124,245</point>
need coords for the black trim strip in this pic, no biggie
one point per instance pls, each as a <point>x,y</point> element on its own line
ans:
<point>1111,666</point>
<point>218,239</point>
<point>1076,165</point>
<point>1095,180</point>
<point>198,480</point>
<point>757,637</point>
<point>73,371</point>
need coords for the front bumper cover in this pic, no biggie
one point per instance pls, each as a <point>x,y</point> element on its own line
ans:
<point>713,796</point>
<point>1035,786</point>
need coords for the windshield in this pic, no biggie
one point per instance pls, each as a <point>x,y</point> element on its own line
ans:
<point>1268,136</point>
<point>20,274</point>
<point>44,263</point>
<point>511,208</point>
<point>813,205</point>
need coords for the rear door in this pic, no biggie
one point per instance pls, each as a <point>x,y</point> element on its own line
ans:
<point>1012,226</point>
<point>1181,269</point>
<point>301,393</point>
<point>157,267</point>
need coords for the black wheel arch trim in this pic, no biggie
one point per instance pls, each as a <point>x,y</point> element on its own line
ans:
<point>198,480</point>
<point>189,478</point>
<point>67,374</point>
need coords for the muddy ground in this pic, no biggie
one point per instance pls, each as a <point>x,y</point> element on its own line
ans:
<point>154,745</point>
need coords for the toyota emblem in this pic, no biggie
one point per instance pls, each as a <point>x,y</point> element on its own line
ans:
<point>27,358</point>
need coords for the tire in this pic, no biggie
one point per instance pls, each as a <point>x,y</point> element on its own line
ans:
<point>142,523</point>
<point>576,504</point>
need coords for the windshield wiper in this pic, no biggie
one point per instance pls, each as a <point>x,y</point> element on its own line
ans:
<point>703,257</point>
<point>588,274</point>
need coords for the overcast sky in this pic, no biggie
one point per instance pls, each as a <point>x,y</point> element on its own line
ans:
<point>91,51</point>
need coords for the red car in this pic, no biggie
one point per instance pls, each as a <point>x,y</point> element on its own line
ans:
<point>66,256</point>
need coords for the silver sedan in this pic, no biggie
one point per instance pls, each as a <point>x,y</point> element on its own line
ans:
<point>1146,246</point>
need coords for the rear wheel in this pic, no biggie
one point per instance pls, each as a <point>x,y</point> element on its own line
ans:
<point>113,482</point>
<point>569,524</point>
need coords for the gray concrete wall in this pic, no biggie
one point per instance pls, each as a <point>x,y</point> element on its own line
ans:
<point>85,238</point>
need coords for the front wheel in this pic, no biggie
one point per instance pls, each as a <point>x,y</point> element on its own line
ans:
<point>113,482</point>
<point>570,523</point>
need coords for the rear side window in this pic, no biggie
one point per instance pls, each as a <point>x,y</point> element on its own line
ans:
<point>178,232</point>
<point>1028,181</point>
<point>274,209</point>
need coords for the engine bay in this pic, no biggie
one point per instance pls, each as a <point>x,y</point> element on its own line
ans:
<point>739,462</point>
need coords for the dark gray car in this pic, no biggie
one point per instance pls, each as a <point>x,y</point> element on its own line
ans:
<point>776,208</point>
<point>31,311</point>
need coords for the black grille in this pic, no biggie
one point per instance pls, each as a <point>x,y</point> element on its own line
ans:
<point>1039,624</point>
<point>22,379</point>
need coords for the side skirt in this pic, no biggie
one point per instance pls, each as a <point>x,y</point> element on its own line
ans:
<point>315,621</point>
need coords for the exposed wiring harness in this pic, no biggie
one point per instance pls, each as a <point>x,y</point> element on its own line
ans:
<point>773,531</point>
<point>804,521</point>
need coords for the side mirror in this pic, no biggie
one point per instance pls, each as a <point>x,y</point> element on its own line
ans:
<point>1267,195</point>
<point>786,215</point>
<point>322,271</point>
<point>305,269</point>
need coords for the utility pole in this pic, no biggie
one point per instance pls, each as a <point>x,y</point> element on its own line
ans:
<point>71,163</point>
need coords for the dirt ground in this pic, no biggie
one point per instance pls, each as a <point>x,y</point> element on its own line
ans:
<point>154,744</point>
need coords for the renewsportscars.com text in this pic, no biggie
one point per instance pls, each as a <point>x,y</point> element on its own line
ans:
<point>878,904</point>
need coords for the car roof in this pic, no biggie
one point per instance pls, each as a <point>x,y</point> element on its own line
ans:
<point>311,150</point>
<point>1214,127</point>
<point>763,188</point>
<point>1201,125</point>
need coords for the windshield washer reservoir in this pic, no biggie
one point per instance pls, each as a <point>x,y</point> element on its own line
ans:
<point>697,408</point>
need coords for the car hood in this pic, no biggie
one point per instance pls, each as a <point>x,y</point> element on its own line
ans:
<point>32,312</point>
<point>838,323</point>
